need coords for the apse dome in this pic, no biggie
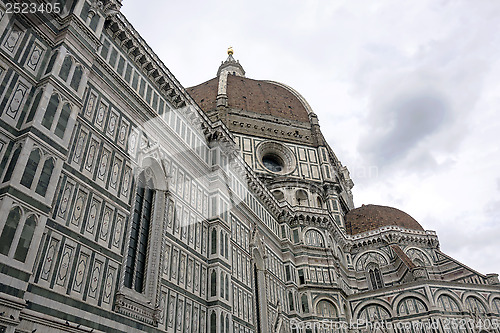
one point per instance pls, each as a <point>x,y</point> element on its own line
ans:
<point>372,217</point>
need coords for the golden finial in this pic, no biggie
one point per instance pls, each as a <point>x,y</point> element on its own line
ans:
<point>230,50</point>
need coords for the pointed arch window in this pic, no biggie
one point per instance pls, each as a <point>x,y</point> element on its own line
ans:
<point>45,175</point>
<point>314,238</point>
<point>221,243</point>
<point>34,106</point>
<point>77,77</point>
<point>214,242</point>
<point>226,246</point>
<point>213,284</point>
<point>375,277</point>
<point>26,237</point>
<point>213,322</point>
<point>12,164</point>
<point>221,285</point>
<point>135,270</point>
<point>51,62</point>
<point>50,112</point>
<point>290,301</point>
<point>326,309</point>
<point>305,304</point>
<point>9,230</point>
<point>62,123</point>
<point>31,167</point>
<point>66,67</point>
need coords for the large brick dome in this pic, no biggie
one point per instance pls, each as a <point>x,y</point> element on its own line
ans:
<point>371,217</point>
<point>264,97</point>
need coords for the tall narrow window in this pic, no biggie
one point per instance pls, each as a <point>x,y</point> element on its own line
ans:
<point>227,324</point>
<point>213,323</point>
<point>305,304</point>
<point>12,164</point>
<point>9,230</point>
<point>66,67</point>
<point>44,181</point>
<point>375,278</point>
<point>301,277</point>
<point>214,241</point>
<point>290,301</point>
<point>51,62</point>
<point>34,106</point>
<point>213,284</point>
<point>222,285</point>
<point>222,323</point>
<point>25,241</point>
<point>62,123</point>
<point>227,288</point>
<point>221,243</point>
<point>50,112</point>
<point>77,77</point>
<point>135,270</point>
<point>226,247</point>
<point>31,167</point>
<point>257,298</point>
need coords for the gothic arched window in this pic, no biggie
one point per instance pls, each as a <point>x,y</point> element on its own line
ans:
<point>9,230</point>
<point>214,241</point>
<point>135,270</point>
<point>66,67</point>
<point>305,304</point>
<point>31,167</point>
<point>12,164</point>
<point>62,123</point>
<point>213,284</point>
<point>226,246</point>
<point>326,309</point>
<point>222,285</point>
<point>447,303</point>
<point>213,323</point>
<point>50,112</point>
<point>51,62</point>
<point>375,277</point>
<point>314,238</point>
<point>474,305</point>
<point>45,175</point>
<point>227,288</point>
<point>77,76</point>
<point>221,243</point>
<point>290,301</point>
<point>25,241</point>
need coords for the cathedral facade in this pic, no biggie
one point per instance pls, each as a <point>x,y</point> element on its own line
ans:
<point>130,203</point>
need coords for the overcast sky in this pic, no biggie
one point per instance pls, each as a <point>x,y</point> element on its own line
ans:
<point>407,94</point>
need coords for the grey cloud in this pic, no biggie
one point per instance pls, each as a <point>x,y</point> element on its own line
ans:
<point>403,124</point>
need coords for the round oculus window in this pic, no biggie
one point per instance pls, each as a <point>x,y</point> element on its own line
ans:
<point>275,158</point>
<point>272,163</point>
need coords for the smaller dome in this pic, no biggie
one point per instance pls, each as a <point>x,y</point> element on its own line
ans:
<point>372,217</point>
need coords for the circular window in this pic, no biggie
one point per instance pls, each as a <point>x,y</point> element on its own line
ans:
<point>276,158</point>
<point>272,163</point>
<point>278,195</point>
